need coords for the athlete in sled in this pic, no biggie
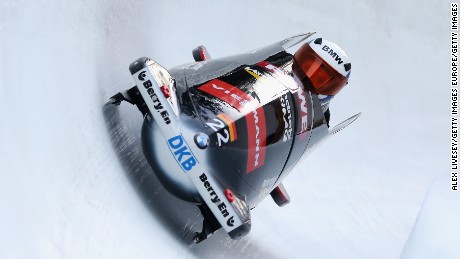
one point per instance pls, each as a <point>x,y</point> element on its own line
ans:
<point>224,133</point>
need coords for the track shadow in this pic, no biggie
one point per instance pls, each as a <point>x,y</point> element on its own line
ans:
<point>178,217</point>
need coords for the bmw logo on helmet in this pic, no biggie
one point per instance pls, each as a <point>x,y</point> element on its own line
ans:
<point>325,65</point>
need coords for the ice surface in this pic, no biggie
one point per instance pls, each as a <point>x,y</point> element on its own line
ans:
<point>436,232</point>
<point>74,183</point>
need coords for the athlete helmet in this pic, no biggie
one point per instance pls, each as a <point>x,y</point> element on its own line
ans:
<point>323,65</point>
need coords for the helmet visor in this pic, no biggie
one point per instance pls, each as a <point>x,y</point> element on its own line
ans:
<point>324,78</point>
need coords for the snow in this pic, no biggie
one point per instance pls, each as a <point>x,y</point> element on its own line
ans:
<point>73,180</point>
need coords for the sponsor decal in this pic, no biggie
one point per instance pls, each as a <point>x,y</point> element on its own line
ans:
<point>303,110</point>
<point>216,200</point>
<point>156,102</point>
<point>286,108</point>
<point>182,153</point>
<point>238,99</point>
<point>333,54</point>
<point>257,138</point>
<point>141,76</point>
<point>230,222</point>
<point>201,140</point>
<point>270,67</point>
<point>254,73</point>
<point>221,122</point>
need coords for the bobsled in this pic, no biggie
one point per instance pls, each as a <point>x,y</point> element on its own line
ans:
<point>224,133</point>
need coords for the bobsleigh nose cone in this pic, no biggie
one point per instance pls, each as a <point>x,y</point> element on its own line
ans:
<point>201,140</point>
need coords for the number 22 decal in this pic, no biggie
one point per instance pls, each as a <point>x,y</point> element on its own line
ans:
<point>221,122</point>
<point>216,126</point>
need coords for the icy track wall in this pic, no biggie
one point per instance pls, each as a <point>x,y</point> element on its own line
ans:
<point>74,183</point>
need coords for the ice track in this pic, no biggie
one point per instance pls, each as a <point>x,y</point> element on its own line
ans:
<point>73,179</point>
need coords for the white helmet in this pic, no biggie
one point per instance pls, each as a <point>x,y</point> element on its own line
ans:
<point>322,65</point>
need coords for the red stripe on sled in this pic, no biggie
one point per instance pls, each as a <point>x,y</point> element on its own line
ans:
<point>238,99</point>
<point>257,139</point>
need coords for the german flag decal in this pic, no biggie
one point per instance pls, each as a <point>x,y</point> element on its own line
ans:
<point>231,125</point>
